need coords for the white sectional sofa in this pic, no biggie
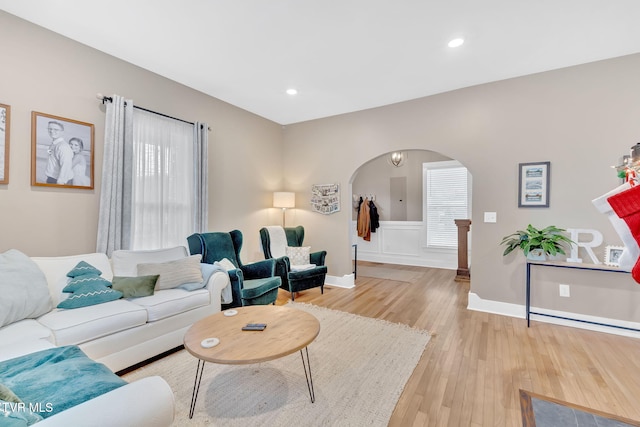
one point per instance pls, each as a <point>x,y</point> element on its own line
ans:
<point>118,333</point>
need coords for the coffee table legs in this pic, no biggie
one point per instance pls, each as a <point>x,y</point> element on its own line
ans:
<point>200,369</point>
<point>196,387</point>
<point>306,365</point>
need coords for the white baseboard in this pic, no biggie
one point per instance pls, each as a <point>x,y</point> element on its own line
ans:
<point>347,281</point>
<point>515,310</point>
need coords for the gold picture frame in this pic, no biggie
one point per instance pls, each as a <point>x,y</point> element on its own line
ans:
<point>62,152</point>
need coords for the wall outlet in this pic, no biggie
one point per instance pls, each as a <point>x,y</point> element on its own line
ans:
<point>565,291</point>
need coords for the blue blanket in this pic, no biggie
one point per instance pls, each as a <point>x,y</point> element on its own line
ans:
<point>56,379</point>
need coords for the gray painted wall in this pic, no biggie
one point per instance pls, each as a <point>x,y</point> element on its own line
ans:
<point>582,119</point>
<point>42,71</point>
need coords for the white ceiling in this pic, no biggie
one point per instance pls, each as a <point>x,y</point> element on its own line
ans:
<point>341,55</point>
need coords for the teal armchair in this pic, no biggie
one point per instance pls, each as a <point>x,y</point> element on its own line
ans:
<point>293,281</point>
<point>251,284</point>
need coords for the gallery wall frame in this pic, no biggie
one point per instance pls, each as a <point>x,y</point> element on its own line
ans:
<point>62,152</point>
<point>325,198</point>
<point>533,184</point>
<point>5,128</point>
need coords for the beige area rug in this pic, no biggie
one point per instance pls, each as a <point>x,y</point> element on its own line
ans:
<point>388,273</point>
<point>359,365</point>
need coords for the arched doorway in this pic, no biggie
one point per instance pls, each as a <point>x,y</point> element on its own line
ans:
<point>397,191</point>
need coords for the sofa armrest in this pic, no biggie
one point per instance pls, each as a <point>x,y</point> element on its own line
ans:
<point>317,258</point>
<point>146,402</point>
<point>259,269</point>
<point>219,286</point>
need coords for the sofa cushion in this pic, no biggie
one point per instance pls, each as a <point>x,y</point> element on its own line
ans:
<point>125,262</point>
<point>23,337</point>
<point>24,330</point>
<point>90,294</point>
<point>135,287</point>
<point>23,288</point>
<point>173,273</point>
<point>56,268</point>
<point>89,323</point>
<point>169,302</point>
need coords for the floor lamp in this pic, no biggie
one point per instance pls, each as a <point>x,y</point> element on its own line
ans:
<point>284,200</point>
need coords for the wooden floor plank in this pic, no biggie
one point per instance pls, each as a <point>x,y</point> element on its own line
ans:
<point>475,363</point>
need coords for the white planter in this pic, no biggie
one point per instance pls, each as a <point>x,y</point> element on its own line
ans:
<point>536,255</point>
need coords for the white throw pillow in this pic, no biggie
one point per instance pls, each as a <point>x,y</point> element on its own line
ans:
<point>174,273</point>
<point>24,293</point>
<point>225,264</point>
<point>298,255</point>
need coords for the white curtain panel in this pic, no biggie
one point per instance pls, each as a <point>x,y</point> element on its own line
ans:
<point>201,179</point>
<point>163,199</point>
<point>114,223</point>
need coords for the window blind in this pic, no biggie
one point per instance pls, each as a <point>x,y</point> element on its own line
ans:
<point>447,200</point>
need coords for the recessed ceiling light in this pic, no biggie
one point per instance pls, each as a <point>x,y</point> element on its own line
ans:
<point>456,42</point>
<point>292,91</point>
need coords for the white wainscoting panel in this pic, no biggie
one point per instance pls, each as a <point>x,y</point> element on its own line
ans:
<point>402,242</point>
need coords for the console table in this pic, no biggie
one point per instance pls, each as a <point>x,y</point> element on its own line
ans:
<point>576,266</point>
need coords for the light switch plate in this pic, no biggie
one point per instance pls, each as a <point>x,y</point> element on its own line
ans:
<point>490,217</point>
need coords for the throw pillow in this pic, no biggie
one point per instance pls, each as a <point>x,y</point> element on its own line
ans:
<point>24,293</point>
<point>225,264</point>
<point>80,281</point>
<point>84,268</point>
<point>90,294</point>
<point>173,273</point>
<point>298,255</point>
<point>135,287</point>
<point>7,395</point>
<point>207,272</point>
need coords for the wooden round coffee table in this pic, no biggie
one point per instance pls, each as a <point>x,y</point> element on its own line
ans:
<point>288,330</point>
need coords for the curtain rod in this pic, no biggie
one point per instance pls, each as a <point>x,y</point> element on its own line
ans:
<point>110,99</point>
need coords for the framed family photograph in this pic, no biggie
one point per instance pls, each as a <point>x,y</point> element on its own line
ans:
<point>5,124</point>
<point>533,185</point>
<point>62,152</point>
<point>612,255</point>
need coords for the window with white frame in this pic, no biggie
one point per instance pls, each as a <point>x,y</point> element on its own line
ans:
<point>447,197</point>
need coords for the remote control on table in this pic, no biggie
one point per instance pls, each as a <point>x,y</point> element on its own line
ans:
<point>254,327</point>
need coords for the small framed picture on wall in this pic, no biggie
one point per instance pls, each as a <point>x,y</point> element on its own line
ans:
<point>533,185</point>
<point>5,124</point>
<point>62,152</point>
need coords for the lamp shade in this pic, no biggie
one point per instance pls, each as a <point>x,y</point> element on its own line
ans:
<point>284,199</point>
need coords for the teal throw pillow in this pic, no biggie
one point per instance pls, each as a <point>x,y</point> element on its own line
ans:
<point>135,287</point>
<point>90,294</point>
<point>83,268</point>
<point>80,281</point>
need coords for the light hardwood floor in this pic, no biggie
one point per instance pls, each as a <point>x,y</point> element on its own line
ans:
<point>475,363</point>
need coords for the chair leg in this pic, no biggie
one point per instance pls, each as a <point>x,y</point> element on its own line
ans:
<point>293,296</point>
<point>322,289</point>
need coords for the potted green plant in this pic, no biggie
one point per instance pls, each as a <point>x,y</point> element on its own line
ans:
<point>535,243</point>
